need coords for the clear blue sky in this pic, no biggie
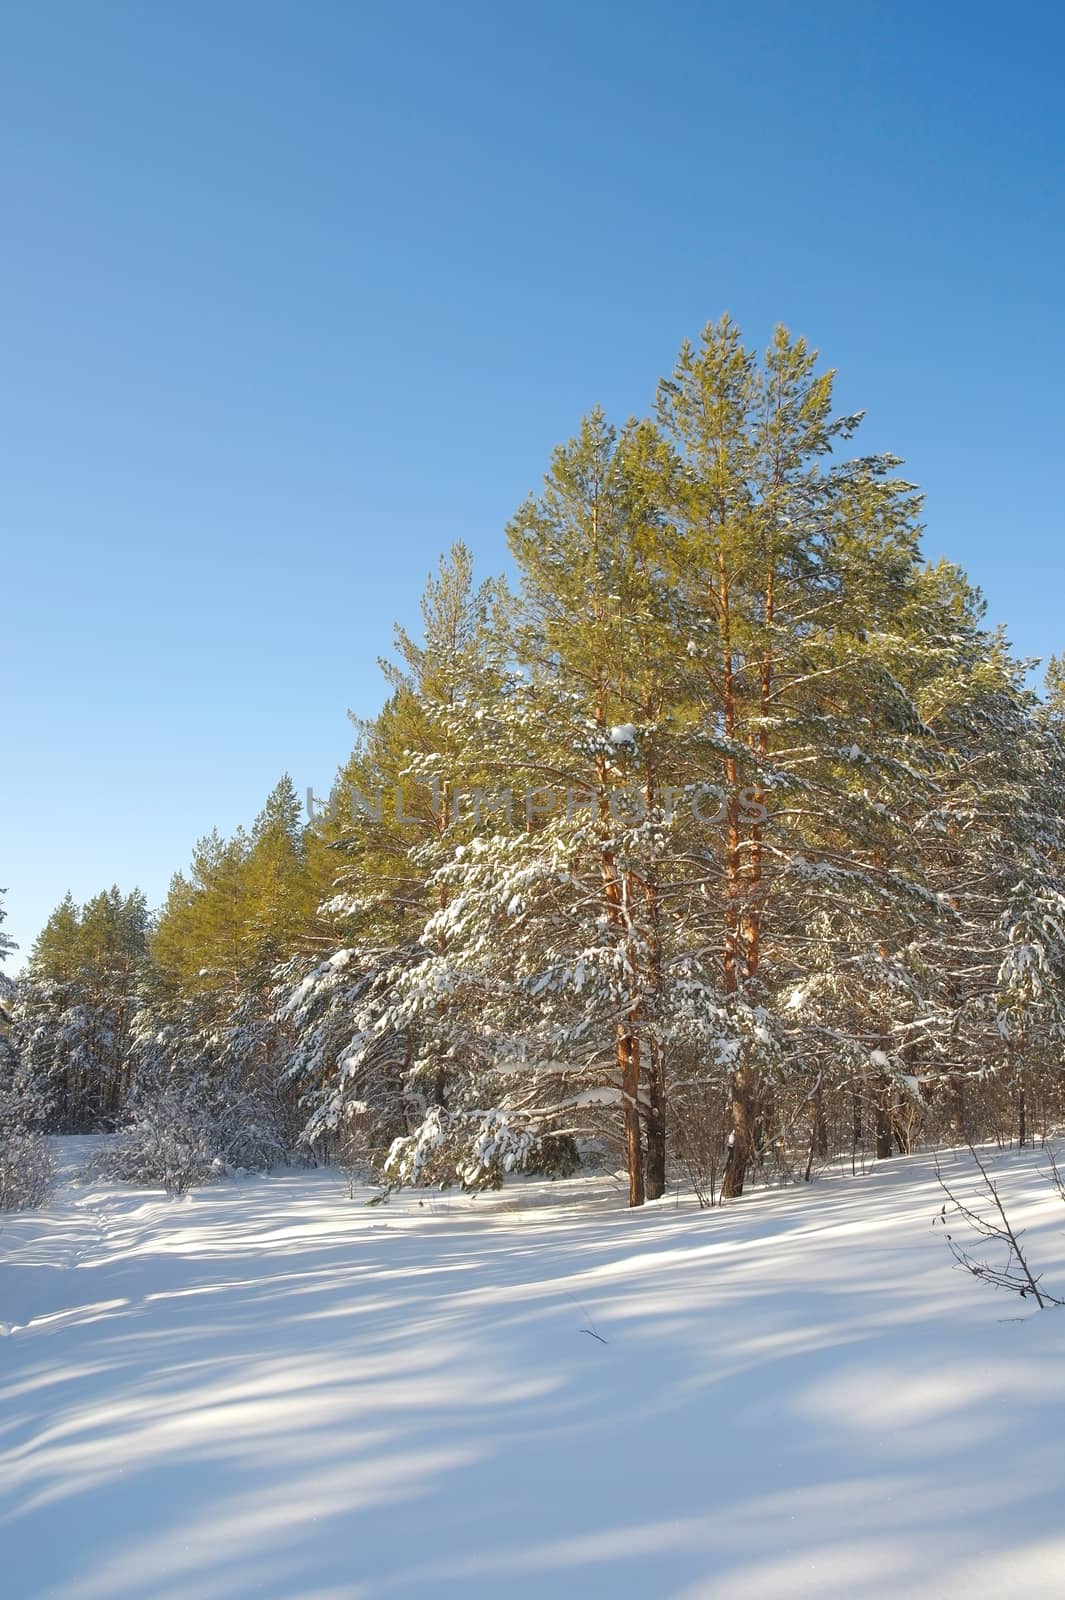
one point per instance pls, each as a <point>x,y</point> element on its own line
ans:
<point>293,295</point>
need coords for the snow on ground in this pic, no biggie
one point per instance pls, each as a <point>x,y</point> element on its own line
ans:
<point>268,1389</point>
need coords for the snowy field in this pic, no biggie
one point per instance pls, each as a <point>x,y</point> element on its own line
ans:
<point>266,1389</point>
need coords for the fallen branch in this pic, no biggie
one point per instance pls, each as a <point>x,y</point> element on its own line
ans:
<point>1015,1275</point>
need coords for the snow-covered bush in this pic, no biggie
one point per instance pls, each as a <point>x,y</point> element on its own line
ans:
<point>474,1149</point>
<point>27,1171</point>
<point>555,1155</point>
<point>171,1143</point>
<point>183,1136</point>
<point>205,1098</point>
<point>349,1060</point>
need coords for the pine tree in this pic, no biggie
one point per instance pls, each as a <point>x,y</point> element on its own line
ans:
<point>1055,686</point>
<point>7,945</point>
<point>797,569</point>
<point>601,629</point>
<point>368,1064</point>
<point>200,941</point>
<point>7,999</point>
<point>77,1003</point>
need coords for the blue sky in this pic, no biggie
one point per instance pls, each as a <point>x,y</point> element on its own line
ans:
<point>293,295</point>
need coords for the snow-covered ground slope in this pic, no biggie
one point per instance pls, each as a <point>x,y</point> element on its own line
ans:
<point>267,1389</point>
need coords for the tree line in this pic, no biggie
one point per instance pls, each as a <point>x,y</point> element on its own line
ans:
<point>727,836</point>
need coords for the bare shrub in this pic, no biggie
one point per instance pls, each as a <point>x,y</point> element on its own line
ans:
<point>699,1125</point>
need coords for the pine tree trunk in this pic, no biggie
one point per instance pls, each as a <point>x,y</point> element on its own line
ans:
<point>627,1045</point>
<point>820,1134</point>
<point>885,1144</point>
<point>739,1147</point>
<point>818,1130</point>
<point>655,1161</point>
<point>960,1110</point>
<point>742,1135</point>
<point>885,1121</point>
<point>765,1110</point>
<point>628,1060</point>
<point>741,1138</point>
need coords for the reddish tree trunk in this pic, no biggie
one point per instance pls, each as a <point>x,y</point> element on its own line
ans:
<point>742,1136</point>
<point>628,1060</point>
